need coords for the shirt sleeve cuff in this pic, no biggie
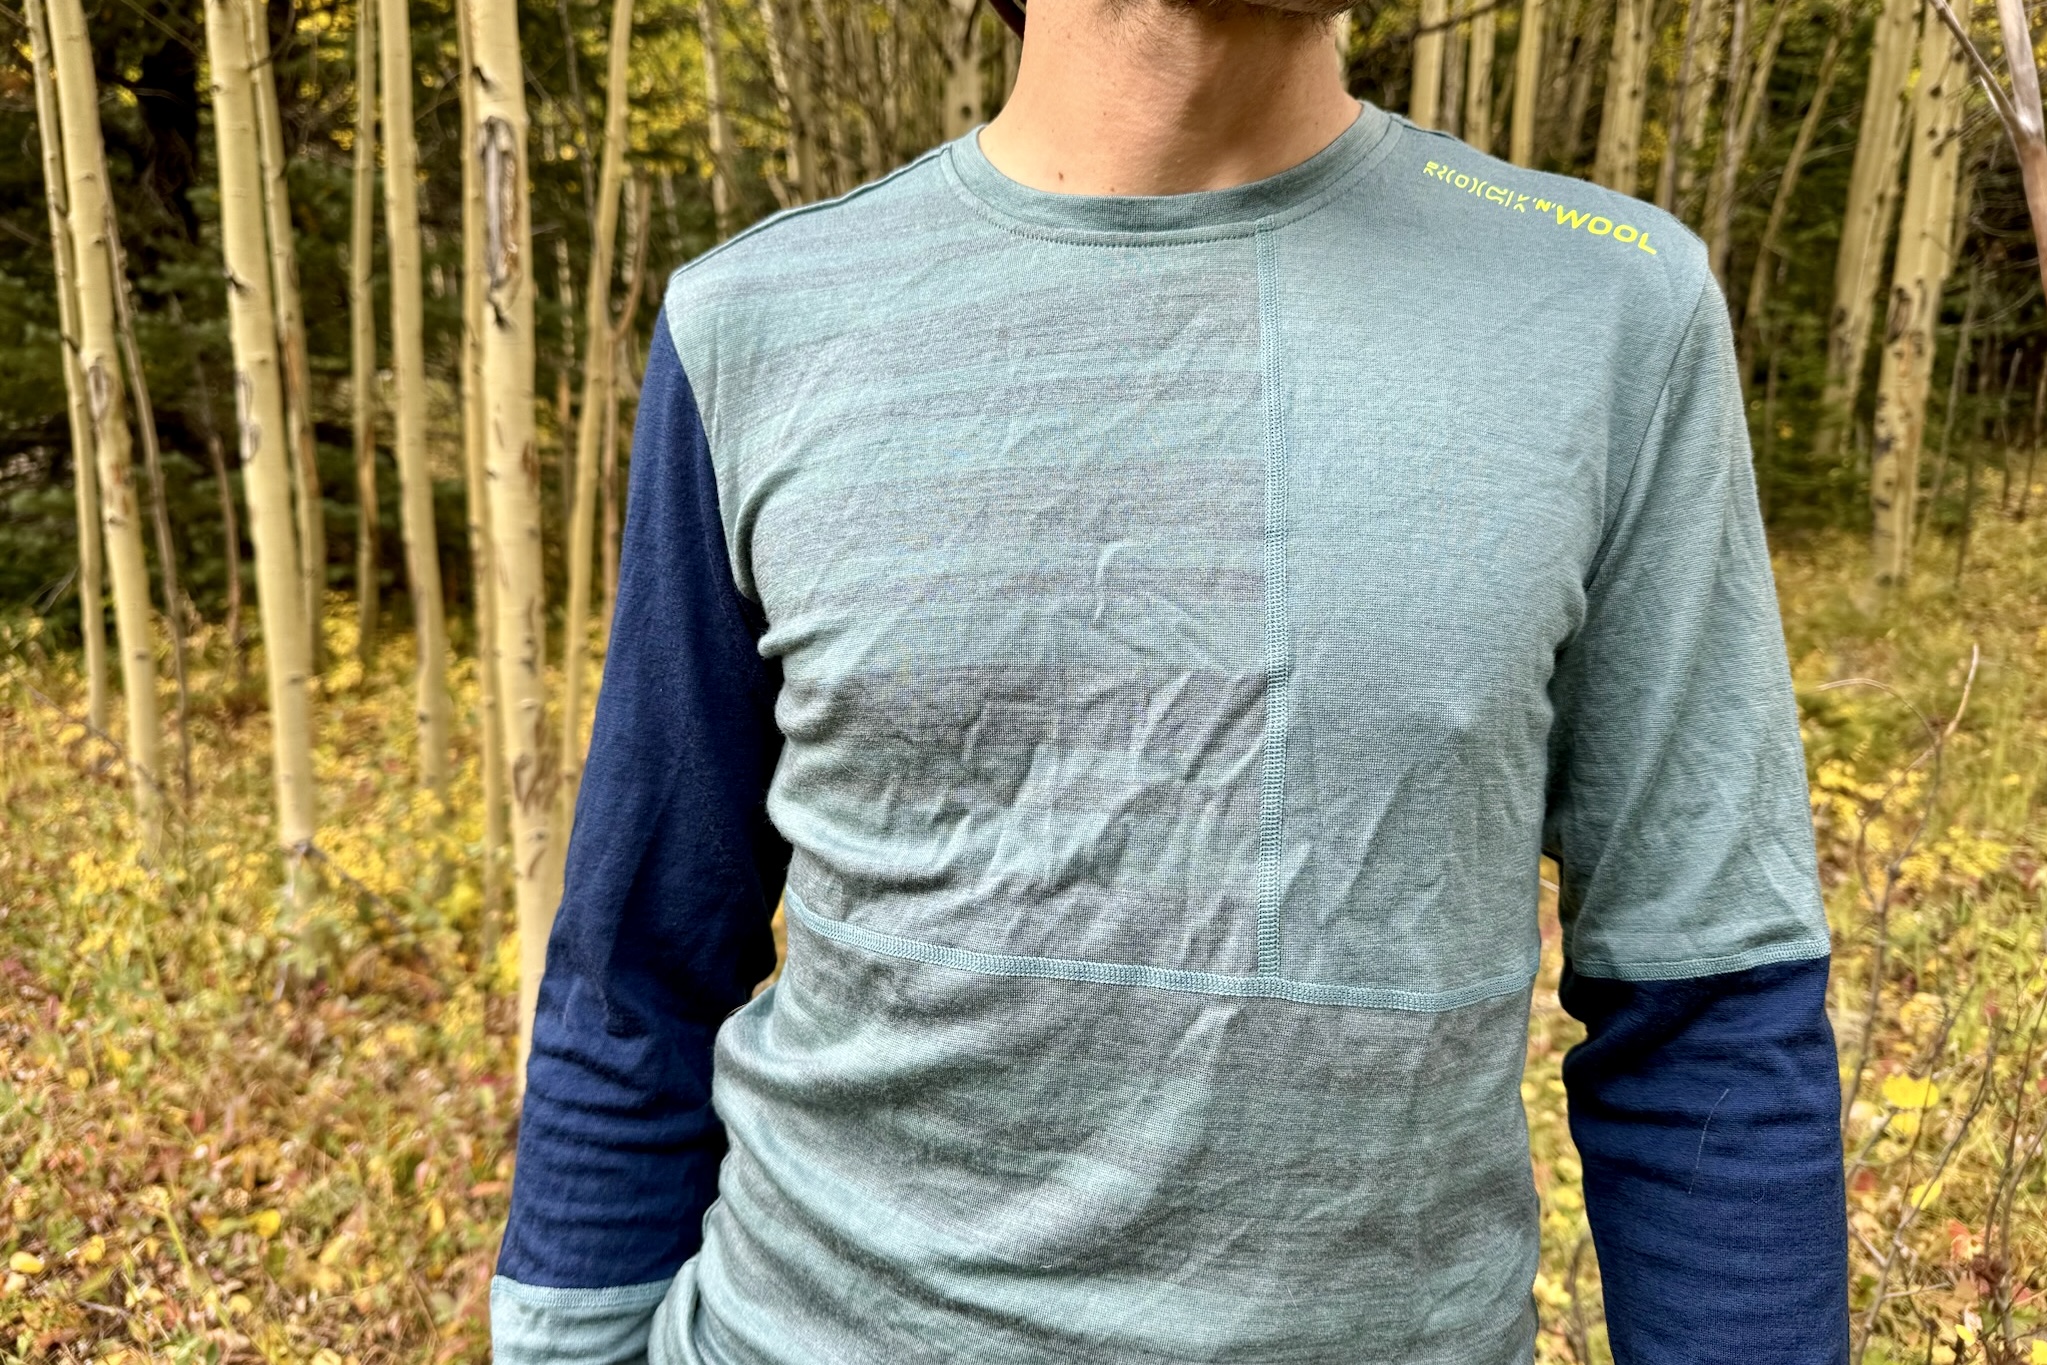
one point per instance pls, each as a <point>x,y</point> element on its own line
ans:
<point>536,1325</point>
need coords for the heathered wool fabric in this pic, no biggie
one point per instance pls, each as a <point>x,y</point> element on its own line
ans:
<point>1195,615</point>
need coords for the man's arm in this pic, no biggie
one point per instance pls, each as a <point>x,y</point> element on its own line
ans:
<point>673,874</point>
<point>1705,1098</point>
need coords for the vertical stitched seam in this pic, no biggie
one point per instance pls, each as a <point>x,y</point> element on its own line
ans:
<point>1272,783</point>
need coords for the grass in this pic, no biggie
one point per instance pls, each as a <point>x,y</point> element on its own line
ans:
<point>209,1159</point>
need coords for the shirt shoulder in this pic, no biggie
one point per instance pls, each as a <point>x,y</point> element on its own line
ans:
<point>1592,257</point>
<point>797,270</point>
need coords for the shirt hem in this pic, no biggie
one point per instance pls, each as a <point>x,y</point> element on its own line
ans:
<point>1158,978</point>
<point>1799,950</point>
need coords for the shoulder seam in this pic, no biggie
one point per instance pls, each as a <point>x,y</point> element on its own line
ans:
<point>801,210</point>
<point>1707,288</point>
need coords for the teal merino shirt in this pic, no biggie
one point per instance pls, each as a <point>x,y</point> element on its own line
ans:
<point>1148,645</point>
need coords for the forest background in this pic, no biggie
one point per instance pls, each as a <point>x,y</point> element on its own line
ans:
<point>261,948</point>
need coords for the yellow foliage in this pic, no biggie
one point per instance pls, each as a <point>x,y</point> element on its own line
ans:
<point>1908,1092</point>
<point>291,1139</point>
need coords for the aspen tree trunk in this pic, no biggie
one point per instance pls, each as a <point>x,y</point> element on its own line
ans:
<point>1737,135</point>
<point>1706,68</point>
<point>1450,99</point>
<point>1478,81</point>
<point>1425,91</point>
<point>231,531</point>
<point>1527,81</point>
<point>1579,72</point>
<point>1866,218</point>
<point>600,350</point>
<point>564,399</point>
<point>362,332</point>
<point>1679,126</point>
<point>832,100</point>
<point>152,464</point>
<point>2024,122</point>
<point>1617,164</point>
<point>791,93</point>
<point>1780,203</point>
<point>717,134</point>
<point>579,119</point>
<point>1726,163</point>
<point>231,537</point>
<point>259,404</point>
<point>803,95</point>
<point>1925,247</point>
<point>291,335</point>
<point>100,366</point>
<point>963,67</point>
<point>408,353</point>
<point>875,147</point>
<point>84,482</point>
<point>622,377</point>
<point>491,740</point>
<point>513,477</point>
<point>608,551</point>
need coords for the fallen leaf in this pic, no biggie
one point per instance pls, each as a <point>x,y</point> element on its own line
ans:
<point>1910,1092</point>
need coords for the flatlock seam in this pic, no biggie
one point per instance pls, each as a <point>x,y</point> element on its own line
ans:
<point>1156,978</point>
<point>1686,969</point>
<point>1278,632</point>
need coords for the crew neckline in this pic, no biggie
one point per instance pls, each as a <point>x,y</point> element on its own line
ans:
<point>1199,212</point>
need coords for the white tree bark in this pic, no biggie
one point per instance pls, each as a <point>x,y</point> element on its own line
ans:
<point>1478,81</point>
<point>291,335</point>
<point>963,85</point>
<point>717,132</point>
<point>408,353</point>
<point>491,740</point>
<point>259,406</point>
<point>1926,233</point>
<point>793,97</point>
<point>1866,218</point>
<point>513,475</point>
<point>1738,131</point>
<point>1425,90</point>
<point>1527,81</point>
<point>84,480</point>
<point>1617,164</point>
<point>1678,129</point>
<point>100,366</point>
<point>362,331</point>
<point>599,351</point>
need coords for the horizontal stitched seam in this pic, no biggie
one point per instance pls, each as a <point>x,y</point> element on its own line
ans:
<point>609,1296</point>
<point>1159,978</point>
<point>1804,949</point>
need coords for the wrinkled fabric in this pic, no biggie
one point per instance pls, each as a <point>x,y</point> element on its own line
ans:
<point>1194,616</point>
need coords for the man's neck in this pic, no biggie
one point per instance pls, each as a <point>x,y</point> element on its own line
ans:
<point>1163,97</point>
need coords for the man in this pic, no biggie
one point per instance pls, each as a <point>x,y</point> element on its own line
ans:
<point>1154,576</point>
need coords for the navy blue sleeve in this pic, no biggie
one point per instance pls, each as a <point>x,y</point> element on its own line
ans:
<point>673,875</point>
<point>1707,1115</point>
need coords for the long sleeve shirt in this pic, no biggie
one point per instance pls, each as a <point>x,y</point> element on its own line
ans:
<point>1148,645</point>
